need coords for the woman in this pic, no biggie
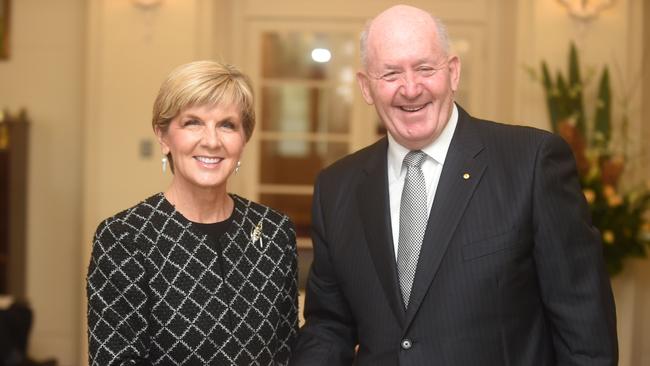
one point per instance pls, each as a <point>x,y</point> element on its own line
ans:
<point>195,275</point>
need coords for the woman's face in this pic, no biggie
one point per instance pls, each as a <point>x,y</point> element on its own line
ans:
<point>205,143</point>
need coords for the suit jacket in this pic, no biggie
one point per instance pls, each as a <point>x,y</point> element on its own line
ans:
<point>510,271</point>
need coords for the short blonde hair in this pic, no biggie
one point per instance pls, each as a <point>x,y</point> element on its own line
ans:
<point>203,83</point>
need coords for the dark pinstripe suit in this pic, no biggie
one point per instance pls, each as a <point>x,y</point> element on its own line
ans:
<point>510,271</point>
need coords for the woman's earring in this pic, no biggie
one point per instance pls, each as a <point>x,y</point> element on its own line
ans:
<point>237,167</point>
<point>164,164</point>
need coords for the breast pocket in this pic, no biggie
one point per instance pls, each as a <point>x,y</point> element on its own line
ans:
<point>508,240</point>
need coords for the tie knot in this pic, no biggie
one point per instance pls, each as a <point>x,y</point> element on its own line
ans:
<point>414,158</point>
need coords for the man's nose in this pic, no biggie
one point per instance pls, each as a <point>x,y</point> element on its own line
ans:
<point>411,85</point>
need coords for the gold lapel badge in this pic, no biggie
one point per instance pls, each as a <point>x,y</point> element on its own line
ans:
<point>256,234</point>
<point>466,176</point>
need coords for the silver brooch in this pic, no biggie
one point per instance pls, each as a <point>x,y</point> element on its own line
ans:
<point>256,234</point>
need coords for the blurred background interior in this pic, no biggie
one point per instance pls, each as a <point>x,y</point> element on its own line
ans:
<point>78,78</point>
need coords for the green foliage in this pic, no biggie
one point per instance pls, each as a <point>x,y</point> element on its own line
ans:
<point>621,217</point>
<point>574,94</point>
<point>603,115</point>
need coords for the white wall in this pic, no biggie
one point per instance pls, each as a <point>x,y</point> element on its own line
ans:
<point>44,75</point>
<point>87,71</point>
<point>544,32</point>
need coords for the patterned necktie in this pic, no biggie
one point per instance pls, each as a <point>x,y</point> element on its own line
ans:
<point>412,222</point>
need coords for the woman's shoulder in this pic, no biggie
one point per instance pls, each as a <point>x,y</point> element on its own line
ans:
<point>135,217</point>
<point>252,207</point>
<point>255,211</point>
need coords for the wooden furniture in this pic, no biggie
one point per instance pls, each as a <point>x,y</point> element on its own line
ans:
<point>13,203</point>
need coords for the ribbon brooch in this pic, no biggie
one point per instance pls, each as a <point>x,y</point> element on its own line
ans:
<point>256,234</point>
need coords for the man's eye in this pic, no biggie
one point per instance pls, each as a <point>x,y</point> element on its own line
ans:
<point>426,71</point>
<point>391,76</point>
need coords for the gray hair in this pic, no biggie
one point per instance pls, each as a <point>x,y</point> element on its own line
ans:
<point>441,32</point>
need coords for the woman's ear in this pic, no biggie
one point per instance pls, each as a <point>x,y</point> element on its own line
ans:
<point>160,135</point>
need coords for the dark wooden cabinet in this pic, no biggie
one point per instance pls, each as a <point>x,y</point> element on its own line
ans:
<point>13,202</point>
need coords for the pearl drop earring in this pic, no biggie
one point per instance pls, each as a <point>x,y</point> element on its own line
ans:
<point>164,164</point>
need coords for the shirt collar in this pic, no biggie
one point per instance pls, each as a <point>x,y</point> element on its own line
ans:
<point>437,149</point>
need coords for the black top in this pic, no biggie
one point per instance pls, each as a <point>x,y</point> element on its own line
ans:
<point>214,230</point>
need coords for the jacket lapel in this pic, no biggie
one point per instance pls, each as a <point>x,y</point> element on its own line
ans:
<point>463,168</point>
<point>375,215</point>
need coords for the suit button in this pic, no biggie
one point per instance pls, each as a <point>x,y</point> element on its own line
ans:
<point>406,344</point>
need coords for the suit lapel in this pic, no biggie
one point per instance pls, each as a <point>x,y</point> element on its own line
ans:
<point>452,195</point>
<point>375,215</point>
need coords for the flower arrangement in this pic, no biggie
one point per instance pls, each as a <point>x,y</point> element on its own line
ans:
<point>621,214</point>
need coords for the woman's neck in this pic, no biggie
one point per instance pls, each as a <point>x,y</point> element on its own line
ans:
<point>202,205</point>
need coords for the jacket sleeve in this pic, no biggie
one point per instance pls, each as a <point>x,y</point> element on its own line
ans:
<point>288,329</point>
<point>328,336</point>
<point>117,298</point>
<point>574,285</point>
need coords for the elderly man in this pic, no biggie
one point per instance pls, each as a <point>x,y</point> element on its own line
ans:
<point>452,241</point>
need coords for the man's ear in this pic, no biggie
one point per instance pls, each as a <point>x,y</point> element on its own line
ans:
<point>364,84</point>
<point>454,72</point>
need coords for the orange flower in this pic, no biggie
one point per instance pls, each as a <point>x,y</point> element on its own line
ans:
<point>613,198</point>
<point>608,191</point>
<point>612,169</point>
<point>577,143</point>
<point>608,237</point>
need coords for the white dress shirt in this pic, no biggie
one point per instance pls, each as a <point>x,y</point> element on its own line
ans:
<point>431,168</point>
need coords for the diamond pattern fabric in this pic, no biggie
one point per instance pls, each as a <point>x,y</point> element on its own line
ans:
<point>412,222</point>
<point>160,293</point>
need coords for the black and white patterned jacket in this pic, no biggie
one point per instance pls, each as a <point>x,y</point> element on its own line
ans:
<point>160,293</point>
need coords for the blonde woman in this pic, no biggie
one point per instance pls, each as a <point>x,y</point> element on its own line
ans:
<point>195,275</point>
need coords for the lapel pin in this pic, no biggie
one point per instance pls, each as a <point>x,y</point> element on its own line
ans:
<point>256,234</point>
<point>466,176</point>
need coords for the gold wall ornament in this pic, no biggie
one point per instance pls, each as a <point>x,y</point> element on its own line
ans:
<point>4,136</point>
<point>4,29</point>
<point>149,10</point>
<point>147,4</point>
<point>586,10</point>
<point>7,118</point>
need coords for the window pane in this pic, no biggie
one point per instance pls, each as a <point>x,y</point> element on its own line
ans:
<point>293,161</point>
<point>297,207</point>
<point>297,108</point>
<point>291,55</point>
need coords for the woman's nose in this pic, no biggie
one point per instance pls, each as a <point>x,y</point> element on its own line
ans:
<point>211,137</point>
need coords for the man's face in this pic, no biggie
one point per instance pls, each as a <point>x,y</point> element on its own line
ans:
<point>409,78</point>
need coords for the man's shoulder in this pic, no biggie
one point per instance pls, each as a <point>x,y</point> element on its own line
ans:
<point>504,129</point>
<point>507,135</point>
<point>359,160</point>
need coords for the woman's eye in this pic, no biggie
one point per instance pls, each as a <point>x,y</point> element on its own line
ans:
<point>191,122</point>
<point>228,125</point>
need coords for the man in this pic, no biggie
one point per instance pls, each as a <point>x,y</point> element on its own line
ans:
<point>476,250</point>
